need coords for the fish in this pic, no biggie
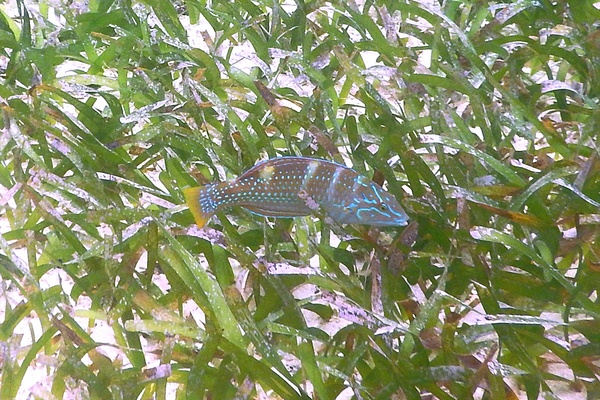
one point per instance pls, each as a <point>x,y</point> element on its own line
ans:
<point>285,187</point>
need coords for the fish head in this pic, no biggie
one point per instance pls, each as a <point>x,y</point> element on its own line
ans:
<point>371,205</point>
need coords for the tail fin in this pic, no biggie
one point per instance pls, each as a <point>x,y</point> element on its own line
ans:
<point>192,199</point>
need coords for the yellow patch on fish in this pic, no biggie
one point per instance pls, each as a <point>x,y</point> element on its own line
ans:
<point>266,173</point>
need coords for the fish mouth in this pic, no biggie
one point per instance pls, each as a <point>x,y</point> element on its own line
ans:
<point>375,217</point>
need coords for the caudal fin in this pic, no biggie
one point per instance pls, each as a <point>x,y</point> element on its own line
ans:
<point>192,199</point>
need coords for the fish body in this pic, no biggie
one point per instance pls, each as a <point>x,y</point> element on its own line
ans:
<point>297,186</point>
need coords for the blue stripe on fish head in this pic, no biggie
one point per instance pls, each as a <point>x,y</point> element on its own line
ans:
<point>373,206</point>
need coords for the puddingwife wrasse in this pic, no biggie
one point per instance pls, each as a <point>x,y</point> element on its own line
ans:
<point>297,186</point>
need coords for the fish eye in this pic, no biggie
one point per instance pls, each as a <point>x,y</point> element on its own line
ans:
<point>382,207</point>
